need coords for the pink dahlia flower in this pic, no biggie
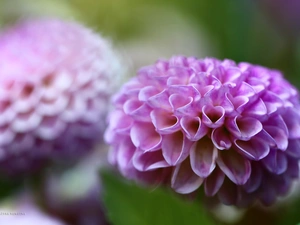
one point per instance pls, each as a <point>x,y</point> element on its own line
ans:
<point>186,122</point>
<point>55,81</point>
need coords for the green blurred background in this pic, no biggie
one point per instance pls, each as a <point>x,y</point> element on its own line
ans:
<point>145,30</point>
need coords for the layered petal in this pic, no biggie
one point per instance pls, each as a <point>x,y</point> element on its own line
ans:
<point>193,128</point>
<point>292,121</point>
<point>149,141</point>
<point>184,180</point>
<point>255,179</point>
<point>213,116</point>
<point>244,128</point>
<point>139,110</point>
<point>276,162</point>
<point>203,156</point>
<point>235,166</point>
<point>145,161</point>
<point>293,148</point>
<point>214,182</point>
<point>164,122</point>
<point>175,148</point>
<point>254,149</point>
<point>221,138</point>
<point>279,136</point>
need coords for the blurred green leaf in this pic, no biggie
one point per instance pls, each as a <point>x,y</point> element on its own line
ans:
<point>9,187</point>
<point>129,204</point>
<point>289,214</point>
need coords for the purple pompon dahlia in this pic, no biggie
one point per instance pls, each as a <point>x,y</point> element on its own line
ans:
<point>233,129</point>
<point>56,78</point>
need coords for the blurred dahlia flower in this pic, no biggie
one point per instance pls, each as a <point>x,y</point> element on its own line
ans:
<point>186,122</point>
<point>55,81</point>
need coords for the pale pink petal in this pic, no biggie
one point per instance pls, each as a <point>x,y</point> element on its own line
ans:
<point>278,135</point>
<point>275,162</point>
<point>138,110</point>
<point>184,75</point>
<point>7,116</point>
<point>292,120</point>
<point>53,107</point>
<point>203,156</point>
<point>160,101</point>
<point>193,127</point>
<point>178,101</point>
<point>244,89</point>
<point>147,92</point>
<point>254,149</point>
<point>144,136</point>
<point>182,105</point>
<point>257,108</point>
<point>185,91</point>
<point>213,116</point>
<point>255,179</point>
<point>221,138</point>
<point>145,161</point>
<point>175,148</point>
<point>244,128</point>
<point>25,122</point>
<point>50,128</point>
<point>125,153</point>
<point>293,148</point>
<point>219,97</point>
<point>277,121</point>
<point>184,180</point>
<point>272,101</point>
<point>6,135</point>
<point>164,122</point>
<point>239,103</point>
<point>235,166</point>
<point>122,123</point>
<point>214,182</point>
